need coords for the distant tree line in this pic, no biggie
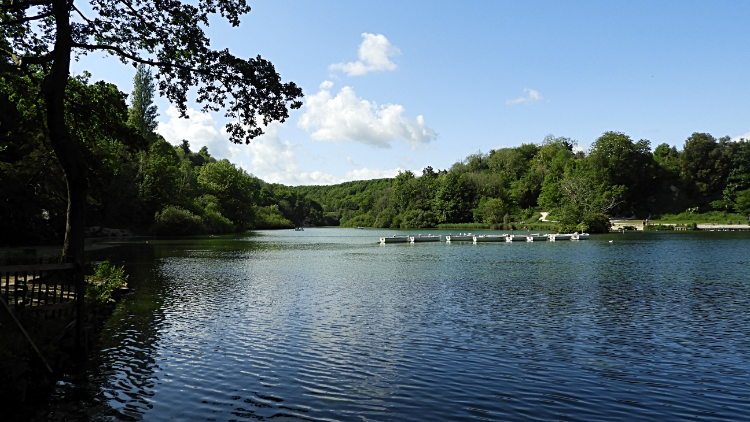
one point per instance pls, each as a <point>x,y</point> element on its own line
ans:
<point>137,180</point>
<point>582,190</point>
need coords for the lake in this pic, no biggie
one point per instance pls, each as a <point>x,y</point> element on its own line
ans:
<point>328,325</point>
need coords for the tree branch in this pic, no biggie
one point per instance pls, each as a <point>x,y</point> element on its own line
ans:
<point>135,13</point>
<point>47,58</point>
<point>23,5</point>
<point>81,15</point>
<point>12,55</point>
<point>27,19</point>
<point>137,59</point>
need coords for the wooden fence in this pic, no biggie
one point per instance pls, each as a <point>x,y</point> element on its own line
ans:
<point>47,288</point>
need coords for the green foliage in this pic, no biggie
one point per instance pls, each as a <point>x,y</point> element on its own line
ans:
<point>742,201</point>
<point>595,223</point>
<point>213,220</point>
<point>362,220</point>
<point>271,218</point>
<point>385,218</point>
<point>142,114</point>
<point>658,227</point>
<point>106,279</point>
<point>173,220</point>
<point>494,211</point>
<point>414,219</point>
<point>620,165</point>
<point>692,215</point>
<point>235,190</point>
<point>705,164</point>
<point>463,226</point>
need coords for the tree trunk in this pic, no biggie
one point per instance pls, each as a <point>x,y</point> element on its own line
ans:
<point>67,152</point>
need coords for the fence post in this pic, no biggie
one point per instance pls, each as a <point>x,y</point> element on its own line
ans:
<point>79,293</point>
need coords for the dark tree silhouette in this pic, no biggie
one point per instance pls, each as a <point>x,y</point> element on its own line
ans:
<point>40,37</point>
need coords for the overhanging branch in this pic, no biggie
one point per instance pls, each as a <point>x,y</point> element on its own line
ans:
<point>123,53</point>
<point>23,5</point>
<point>24,20</point>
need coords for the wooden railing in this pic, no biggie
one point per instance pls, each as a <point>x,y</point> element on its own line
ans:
<point>49,286</point>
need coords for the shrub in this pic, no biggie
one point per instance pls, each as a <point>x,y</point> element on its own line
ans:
<point>416,219</point>
<point>658,227</point>
<point>106,279</point>
<point>742,202</point>
<point>595,223</point>
<point>174,220</point>
<point>362,220</point>
<point>270,217</point>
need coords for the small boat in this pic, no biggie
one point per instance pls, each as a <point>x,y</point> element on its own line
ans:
<point>490,238</point>
<point>359,228</point>
<point>515,238</point>
<point>580,236</point>
<point>299,229</point>
<point>536,237</point>
<point>461,237</point>
<point>560,236</point>
<point>395,239</point>
<point>427,238</point>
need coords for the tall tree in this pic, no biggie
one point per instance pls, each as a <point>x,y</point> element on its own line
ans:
<point>41,36</point>
<point>142,113</point>
<point>705,164</point>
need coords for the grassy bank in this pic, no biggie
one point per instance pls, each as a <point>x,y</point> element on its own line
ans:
<point>687,217</point>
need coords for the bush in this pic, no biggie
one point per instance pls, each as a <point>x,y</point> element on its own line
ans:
<point>362,220</point>
<point>658,227</point>
<point>417,219</point>
<point>595,223</point>
<point>106,279</point>
<point>174,220</point>
<point>742,202</point>
<point>215,222</point>
<point>463,226</point>
<point>270,217</point>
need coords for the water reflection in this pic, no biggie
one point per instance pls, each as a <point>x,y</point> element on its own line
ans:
<point>326,325</point>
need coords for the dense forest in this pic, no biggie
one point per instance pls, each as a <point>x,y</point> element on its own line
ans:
<point>139,181</point>
<point>617,176</point>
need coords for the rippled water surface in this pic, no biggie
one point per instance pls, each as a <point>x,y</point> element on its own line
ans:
<point>327,325</point>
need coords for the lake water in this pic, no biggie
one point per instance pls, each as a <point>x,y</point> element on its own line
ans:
<point>327,325</point>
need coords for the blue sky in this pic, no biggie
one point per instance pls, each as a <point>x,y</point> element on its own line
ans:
<point>401,85</point>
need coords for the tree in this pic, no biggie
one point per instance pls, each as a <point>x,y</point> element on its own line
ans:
<point>403,190</point>
<point>40,38</point>
<point>235,190</point>
<point>142,113</point>
<point>619,164</point>
<point>705,164</point>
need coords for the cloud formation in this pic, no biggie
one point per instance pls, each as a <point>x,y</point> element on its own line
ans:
<point>273,160</point>
<point>346,117</point>
<point>374,53</point>
<point>532,97</point>
<point>745,137</point>
<point>199,130</point>
<point>367,174</point>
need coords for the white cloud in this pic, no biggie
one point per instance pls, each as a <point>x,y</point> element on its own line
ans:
<point>273,160</point>
<point>199,130</point>
<point>532,97</point>
<point>745,137</point>
<point>346,117</point>
<point>367,174</point>
<point>373,55</point>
